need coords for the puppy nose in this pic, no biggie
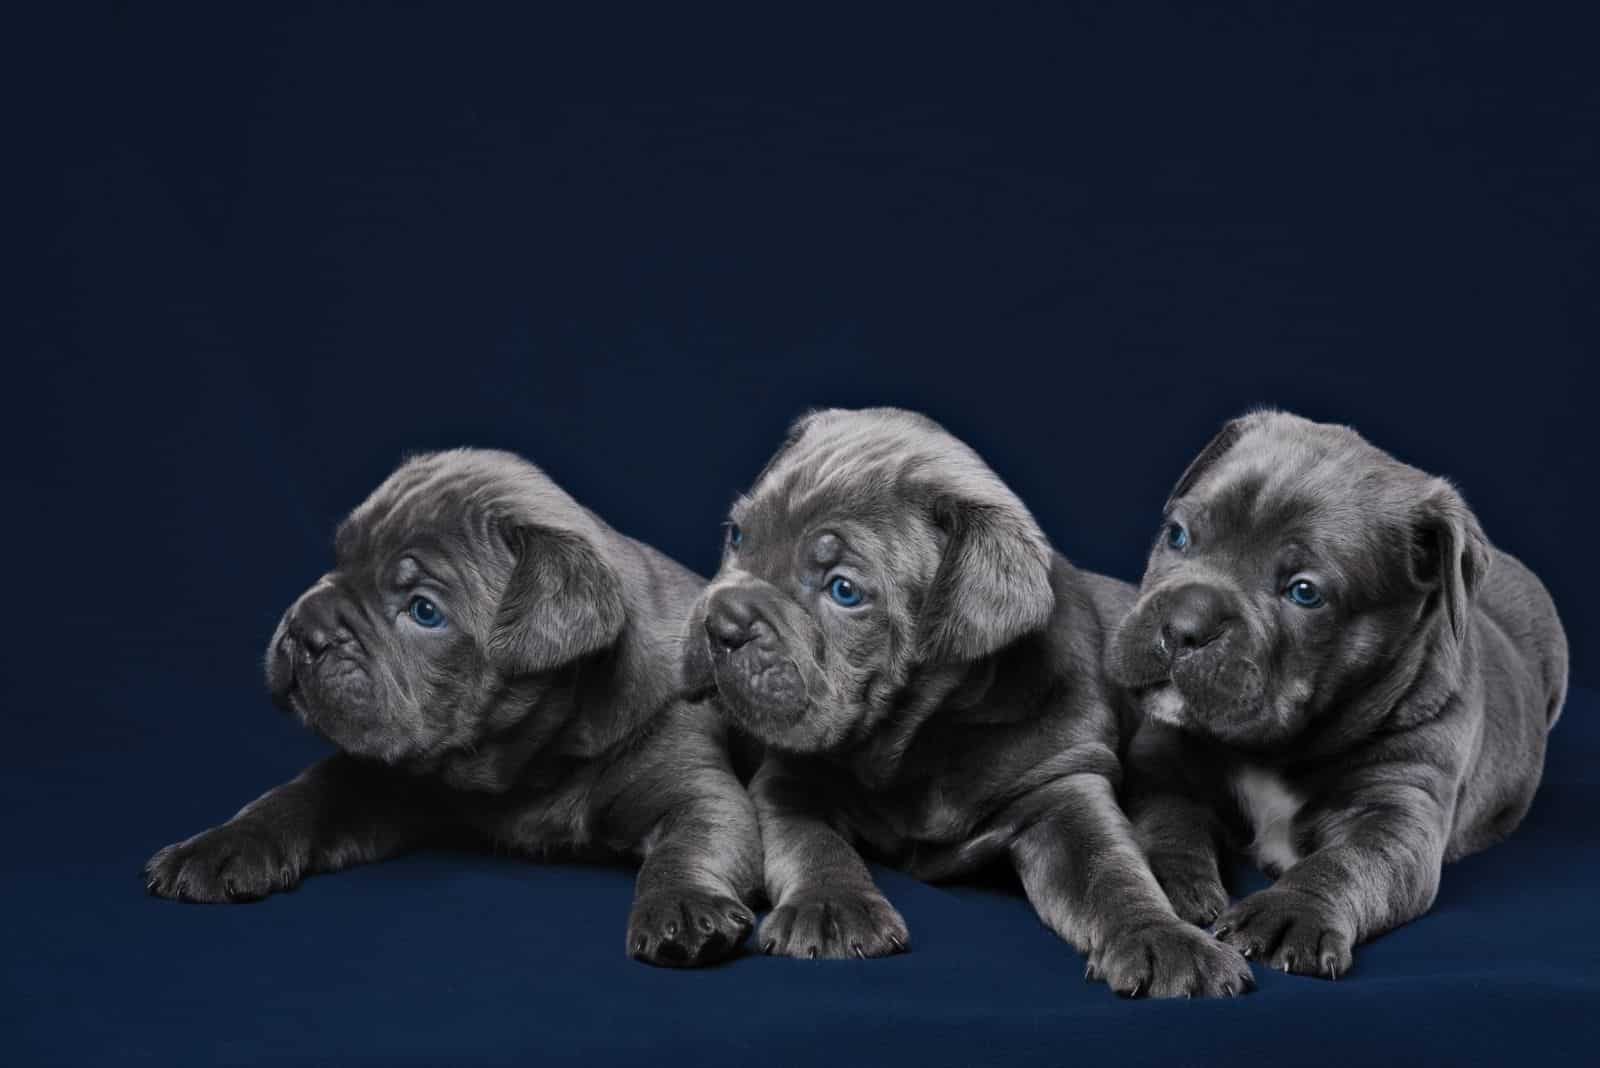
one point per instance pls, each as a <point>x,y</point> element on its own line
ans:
<point>1197,615</point>
<point>313,623</point>
<point>730,619</point>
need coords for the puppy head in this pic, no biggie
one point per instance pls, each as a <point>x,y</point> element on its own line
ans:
<point>461,588</point>
<point>1296,566</point>
<point>872,547</point>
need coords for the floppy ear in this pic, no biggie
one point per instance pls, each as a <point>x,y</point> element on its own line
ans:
<point>993,583</point>
<point>1449,552</point>
<point>1215,449</point>
<point>563,601</point>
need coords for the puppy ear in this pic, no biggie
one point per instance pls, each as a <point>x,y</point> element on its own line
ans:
<point>992,585</point>
<point>1449,552</point>
<point>1215,449</point>
<point>563,601</point>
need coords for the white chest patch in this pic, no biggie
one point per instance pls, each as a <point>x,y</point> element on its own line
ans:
<point>1269,807</point>
<point>1165,705</point>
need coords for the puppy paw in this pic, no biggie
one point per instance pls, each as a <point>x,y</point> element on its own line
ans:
<point>834,924</point>
<point>685,927</point>
<point>231,863</point>
<point>1290,931</point>
<point>1193,887</point>
<point>1170,960</point>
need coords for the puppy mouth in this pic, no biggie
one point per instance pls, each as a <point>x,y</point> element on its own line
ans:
<point>1217,690</point>
<point>761,687</point>
<point>326,693</point>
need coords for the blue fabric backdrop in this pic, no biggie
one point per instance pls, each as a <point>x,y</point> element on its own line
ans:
<point>265,251</point>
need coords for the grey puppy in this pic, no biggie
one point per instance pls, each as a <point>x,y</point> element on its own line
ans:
<point>890,621</point>
<point>1341,676</point>
<point>491,659</point>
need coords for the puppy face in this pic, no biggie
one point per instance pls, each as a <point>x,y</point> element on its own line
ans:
<point>872,547</point>
<point>460,588</point>
<point>1295,566</point>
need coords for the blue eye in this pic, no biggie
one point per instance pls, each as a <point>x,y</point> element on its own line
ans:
<point>844,592</point>
<point>1305,594</point>
<point>1177,536</point>
<point>425,613</point>
<point>735,535</point>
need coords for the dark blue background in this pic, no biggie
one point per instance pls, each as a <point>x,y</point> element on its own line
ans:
<point>265,254</point>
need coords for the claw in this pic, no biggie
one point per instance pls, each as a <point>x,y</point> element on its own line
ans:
<point>855,947</point>
<point>640,943</point>
<point>894,940</point>
<point>672,929</point>
<point>768,946</point>
<point>1221,929</point>
<point>812,953</point>
<point>706,925</point>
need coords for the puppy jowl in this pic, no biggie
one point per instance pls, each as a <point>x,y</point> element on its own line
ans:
<point>495,665</point>
<point>890,621</point>
<point>1320,653</point>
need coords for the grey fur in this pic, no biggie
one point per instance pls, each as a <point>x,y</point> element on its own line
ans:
<point>954,719</point>
<point>1402,723</point>
<point>547,714</point>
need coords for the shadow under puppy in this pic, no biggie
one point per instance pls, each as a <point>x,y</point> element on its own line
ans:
<point>925,672</point>
<point>490,658</point>
<point>1339,675</point>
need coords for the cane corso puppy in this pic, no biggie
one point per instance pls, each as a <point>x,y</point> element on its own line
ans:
<point>926,674</point>
<point>491,658</point>
<point>1340,676</point>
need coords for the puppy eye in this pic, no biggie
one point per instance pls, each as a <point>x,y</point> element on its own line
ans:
<point>424,613</point>
<point>735,535</point>
<point>1304,593</point>
<point>1177,536</point>
<point>845,593</point>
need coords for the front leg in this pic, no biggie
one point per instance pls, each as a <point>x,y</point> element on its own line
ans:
<point>1179,838</point>
<point>824,902</point>
<point>1087,879</point>
<point>1179,832</point>
<point>1377,867</point>
<point>702,864</point>
<point>337,813</point>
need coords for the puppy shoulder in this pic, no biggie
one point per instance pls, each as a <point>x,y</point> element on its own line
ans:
<point>1088,606</point>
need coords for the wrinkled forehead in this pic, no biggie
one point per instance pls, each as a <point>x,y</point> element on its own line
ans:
<point>806,513</point>
<point>445,507</point>
<point>1332,496</point>
<point>779,525</point>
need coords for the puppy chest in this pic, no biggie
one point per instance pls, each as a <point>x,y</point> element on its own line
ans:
<point>1269,805</point>
<point>915,817</point>
<point>534,824</point>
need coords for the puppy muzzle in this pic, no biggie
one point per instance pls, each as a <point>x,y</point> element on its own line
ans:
<point>314,666</point>
<point>1189,653</point>
<point>735,644</point>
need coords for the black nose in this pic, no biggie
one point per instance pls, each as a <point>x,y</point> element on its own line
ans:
<point>730,619</point>
<point>1197,615</point>
<point>313,622</point>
